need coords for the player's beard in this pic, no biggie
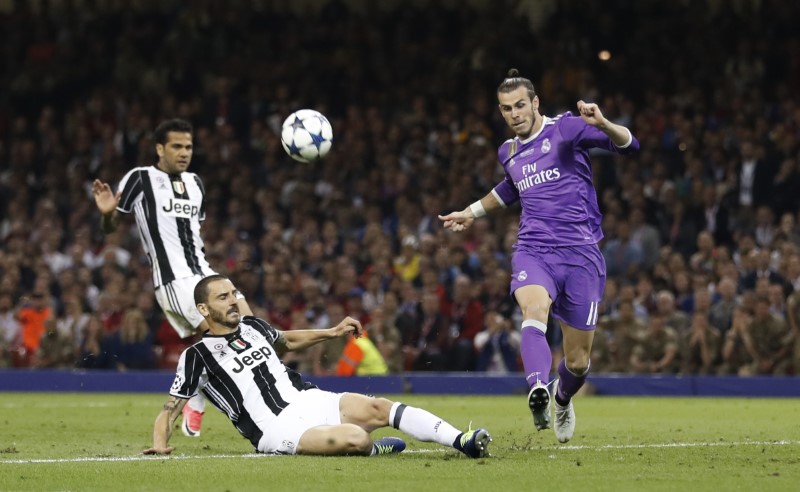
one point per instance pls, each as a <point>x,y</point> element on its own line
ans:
<point>529,132</point>
<point>224,319</point>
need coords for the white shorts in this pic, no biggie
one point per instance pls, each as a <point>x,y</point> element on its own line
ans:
<point>312,408</point>
<point>177,301</point>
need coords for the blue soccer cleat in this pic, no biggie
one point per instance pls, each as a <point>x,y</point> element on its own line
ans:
<point>475,443</point>
<point>388,445</point>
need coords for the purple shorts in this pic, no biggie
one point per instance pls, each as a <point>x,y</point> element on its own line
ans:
<point>574,276</point>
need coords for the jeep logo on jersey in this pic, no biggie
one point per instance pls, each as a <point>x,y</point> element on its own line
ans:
<point>179,187</point>
<point>239,345</point>
<point>249,360</point>
<point>178,207</point>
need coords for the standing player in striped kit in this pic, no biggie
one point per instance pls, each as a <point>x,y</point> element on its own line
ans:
<point>237,365</point>
<point>556,263</point>
<point>168,204</point>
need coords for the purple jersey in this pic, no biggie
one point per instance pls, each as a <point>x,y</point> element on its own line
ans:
<point>551,174</point>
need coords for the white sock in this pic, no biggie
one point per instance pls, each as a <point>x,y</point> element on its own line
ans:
<point>532,323</point>
<point>197,402</point>
<point>422,425</point>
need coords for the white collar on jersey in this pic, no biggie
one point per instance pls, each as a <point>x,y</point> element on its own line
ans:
<point>545,121</point>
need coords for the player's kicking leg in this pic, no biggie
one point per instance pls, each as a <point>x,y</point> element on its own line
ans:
<point>370,413</point>
<point>534,300</point>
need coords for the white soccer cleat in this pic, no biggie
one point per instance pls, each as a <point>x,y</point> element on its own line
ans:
<point>539,405</point>
<point>563,421</point>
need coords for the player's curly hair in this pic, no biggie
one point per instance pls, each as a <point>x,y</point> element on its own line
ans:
<point>513,81</point>
<point>174,125</point>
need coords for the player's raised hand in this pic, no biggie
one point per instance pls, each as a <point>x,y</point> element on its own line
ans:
<point>591,114</point>
<point>166,450</point>
<point>105,199</point>
<point>457,221</point>
<point>347,326</point>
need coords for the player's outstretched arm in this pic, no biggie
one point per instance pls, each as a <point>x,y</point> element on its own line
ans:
<point>162,429</point>
<point>299,339</point>
<point>591,114</point>
<point>106,202</point>
<point>462,220</point>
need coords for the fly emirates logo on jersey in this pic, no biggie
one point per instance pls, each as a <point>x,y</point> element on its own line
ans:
<point>179,207</point>
<point>532,176</point>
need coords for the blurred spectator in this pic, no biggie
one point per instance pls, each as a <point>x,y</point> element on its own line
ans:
<point>623,256</point>
<point>94,348</point>
<point>32,316</point>
<point>762,268</point>
<point>56,349</point>
<point>701,347</point>
<point>721,313</point>
<point>716,217</point>
<point>465,314</point>
<point>620,336</point>
<point>673,318</point>
<point>72,323</point>
<point>360,357</point>
<point>497,345</point>
<point>738,352</point>
<point>425,345</point>
<point>131,347</point>
<point>646,237</point>
<point>658,349</point>
<point>10,331</point>
<point>325,356</point>
<point>770,340</point>
<point>385,334</point>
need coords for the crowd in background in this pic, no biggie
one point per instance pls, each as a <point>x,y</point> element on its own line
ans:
<point>701,228</point>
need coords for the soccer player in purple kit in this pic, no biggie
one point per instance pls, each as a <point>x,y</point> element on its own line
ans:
<point>556,263</point>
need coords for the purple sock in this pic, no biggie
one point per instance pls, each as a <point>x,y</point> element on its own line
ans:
<point>536,356</point>
<point>568,383</point>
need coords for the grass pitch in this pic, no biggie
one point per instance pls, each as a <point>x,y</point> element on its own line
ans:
<point>94,442</point>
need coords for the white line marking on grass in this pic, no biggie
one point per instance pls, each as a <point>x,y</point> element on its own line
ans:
<point>606,447</point>
<point>679,445</point>
<point>101,459</point>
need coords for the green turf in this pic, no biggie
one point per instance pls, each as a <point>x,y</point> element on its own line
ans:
<point>621,444</point>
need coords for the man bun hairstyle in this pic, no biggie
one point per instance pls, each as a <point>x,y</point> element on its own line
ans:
<point>201,289</point>
<point>514,81</point>
<point>174,125</point>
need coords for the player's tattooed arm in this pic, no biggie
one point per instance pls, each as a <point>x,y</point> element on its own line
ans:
<point>280,344</point>
<point>174,407</point>
<point>162,429</point>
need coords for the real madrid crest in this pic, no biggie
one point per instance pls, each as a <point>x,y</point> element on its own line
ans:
<point>546,146</point>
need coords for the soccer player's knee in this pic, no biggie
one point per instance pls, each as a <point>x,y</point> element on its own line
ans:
<point>379,410</point>
<point>578,369</point>
<point>537,311</point>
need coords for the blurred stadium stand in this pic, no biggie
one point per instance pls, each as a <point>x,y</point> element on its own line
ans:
<point>701,227</point>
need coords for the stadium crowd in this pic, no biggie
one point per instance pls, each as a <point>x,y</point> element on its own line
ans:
<point>702,238</point>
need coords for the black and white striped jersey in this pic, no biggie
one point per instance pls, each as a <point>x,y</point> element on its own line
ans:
<point>168,209</point>
<point>241,374</point>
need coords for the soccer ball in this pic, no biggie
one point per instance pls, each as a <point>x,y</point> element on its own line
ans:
<point>306,135</point>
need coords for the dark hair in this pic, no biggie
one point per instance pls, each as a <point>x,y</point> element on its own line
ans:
<point>173,125</point>
<point>513,81</point>
<point>201,289</point>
